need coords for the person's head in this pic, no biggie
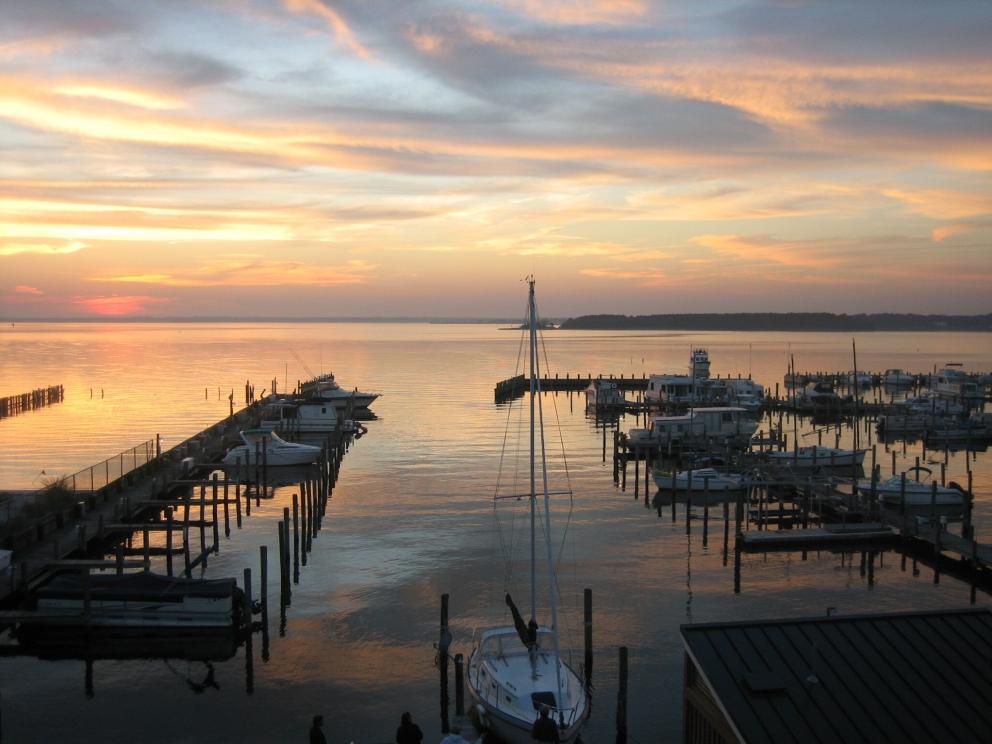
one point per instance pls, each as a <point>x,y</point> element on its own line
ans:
<point>405,718</point>
<point>318,721</point>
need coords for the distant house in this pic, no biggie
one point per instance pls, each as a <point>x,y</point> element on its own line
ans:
<point>908,677</point>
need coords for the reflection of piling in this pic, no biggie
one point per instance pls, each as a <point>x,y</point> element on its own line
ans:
<point>622,699</point>
<point>283,573</point>
<point>287,556</point>
<point>587,624</point>
<point>442,659</point>
<point>459,685</point>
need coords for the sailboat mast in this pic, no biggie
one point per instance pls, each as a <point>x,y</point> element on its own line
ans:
<point>532,313</point>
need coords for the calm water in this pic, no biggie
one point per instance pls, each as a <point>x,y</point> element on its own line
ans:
<point>411,518</point>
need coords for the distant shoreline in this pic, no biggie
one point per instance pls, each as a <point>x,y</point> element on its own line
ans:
<point>799,322</point>
<point>808,322</point>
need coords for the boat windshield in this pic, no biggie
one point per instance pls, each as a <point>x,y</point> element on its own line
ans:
<point>509,644</point>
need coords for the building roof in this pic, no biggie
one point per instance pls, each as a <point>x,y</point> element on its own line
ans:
<point>905,677</point>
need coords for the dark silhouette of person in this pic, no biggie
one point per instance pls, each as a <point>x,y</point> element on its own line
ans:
<point>544,728</point>
<point>316,735</point>
<point>408,732</point>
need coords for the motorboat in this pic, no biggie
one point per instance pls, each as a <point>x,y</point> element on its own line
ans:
<point>919,490</point>
<point>955,384</point>
<point>699,361</point>
<point>268,448</point>
<point>702,480</point>
<point>139,600</point>
<point>817,455</point>
<point>718,423</point>
<point>934,405</point>
<point>894,423</point>
<point>819,395</point>
<point>898,378</point>
<point>604,394</point>
<point>858,379</point>
<point>515,671</point>
<point>299,416</point>
<point>945,430</point>
<point>326,389</point>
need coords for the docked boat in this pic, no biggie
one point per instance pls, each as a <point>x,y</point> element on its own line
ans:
<point>934,406</point>
<point>952,383</point>
<point>326,389</point>
<point>699,361</point>
<point>720,424</point>
<point>898,378</point>
<point>139,600</point>
<point>858,379</point>
<point>268,448</point>
<point>701,481</point>
<point>299,416</point>
<point>818,395</point>
<point>919,490</point>
<point>515,671</point>
<point>896,423</point>
<point>816,455</point>
<point>945,430</point>
<point>604,394</point>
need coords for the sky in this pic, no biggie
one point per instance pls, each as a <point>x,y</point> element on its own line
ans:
<point>302,158</point>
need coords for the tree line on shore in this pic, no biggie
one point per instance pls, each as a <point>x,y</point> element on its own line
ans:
<point>782,322</point>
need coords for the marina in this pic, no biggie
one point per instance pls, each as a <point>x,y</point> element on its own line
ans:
<point>377,545</point>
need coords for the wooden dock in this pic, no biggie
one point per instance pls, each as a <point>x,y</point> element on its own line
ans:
<point>12,405</point>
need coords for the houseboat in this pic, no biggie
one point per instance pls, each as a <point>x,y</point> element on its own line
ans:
<point>604,394</point>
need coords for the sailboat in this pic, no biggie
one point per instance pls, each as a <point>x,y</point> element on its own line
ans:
<point>516,670</point>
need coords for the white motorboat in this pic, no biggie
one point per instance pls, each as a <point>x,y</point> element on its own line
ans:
<point>818,395</point>
<point>514,671</point>
<point>300,416</point>
<point>934,406</point>
<point>898,378</point>
<point>140,600</point>
<point>858,379</point>
<point>917,491</point>
<point>604,394</point>
<point>326,389</point>
<point>699,360</point>
<point>701,481</point>
<point>268,448</point>
<point>952,383</point>
<point>719,423</point>
<point>814,456</point>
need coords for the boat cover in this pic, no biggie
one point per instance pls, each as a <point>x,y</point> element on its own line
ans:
<point>136,587</point>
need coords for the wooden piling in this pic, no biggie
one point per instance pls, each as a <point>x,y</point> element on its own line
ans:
<point>227,511</point>
<point>168,540</point>
<point>622,698</point>
<point>459,685</point>
<point>587,626</point>
<point>283,574</point>
<point>296,539</point>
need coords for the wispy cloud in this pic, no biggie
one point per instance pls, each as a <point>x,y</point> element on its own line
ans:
<point>25,289</point>
<point>119,305</point>
<point>236,272</point>
<point>13,249</point>
<point>335,23</point>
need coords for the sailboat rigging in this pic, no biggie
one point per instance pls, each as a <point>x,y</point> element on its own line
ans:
<point>516,671</point>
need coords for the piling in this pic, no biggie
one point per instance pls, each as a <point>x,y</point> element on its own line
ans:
<point>263,563</point>
<point>213,512</point>
<point>282,563</point>
<point>459,685</point>
<point>587,624</point>
<point>442,657</point>
<point>622,699</point>
<point>168,540</point>
<point>227,511</point>
<point>296,539</point>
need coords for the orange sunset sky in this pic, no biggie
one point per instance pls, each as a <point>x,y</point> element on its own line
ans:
<point>381,158</point>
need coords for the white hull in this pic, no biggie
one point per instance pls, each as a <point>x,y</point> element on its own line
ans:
<point>264,447</point>
<point>816,456</point>
<point>917,493</point>
<point>703,481</point>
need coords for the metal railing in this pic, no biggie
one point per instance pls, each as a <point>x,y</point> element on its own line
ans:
<point>104,473</point>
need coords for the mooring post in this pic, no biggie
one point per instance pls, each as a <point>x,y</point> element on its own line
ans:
<point>146,550</point>
<point>442,658</point>
<point>296,539</point>
<point>622,699</point>
<point>706,510</point>
<point>282,562</point>
<point>637,475</point>
<point>227,510</point>
<point>263,588</point>
<point>287,556</point>
<point>726,530</point>
<point>587,624</point>
<point>674,492</point>
<point>186,557</point>
<point>213,512</point>
<point>119,555</point>
<point>168,540</point>
<point>203,524</point>
<point>246,611</point>
<point>304,527</point>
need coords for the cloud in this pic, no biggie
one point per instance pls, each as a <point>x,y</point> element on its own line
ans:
<point>118,305</point>
<point>236,272</point>
<point>25,289</point>
<point>579,12</point>
<point>140,98</point>
<point>335,23</point>
<point>13,249</point>
<point>642,277</point>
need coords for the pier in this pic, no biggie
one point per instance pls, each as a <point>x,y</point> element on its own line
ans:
<point>143,492</point>
<point>13,405</point>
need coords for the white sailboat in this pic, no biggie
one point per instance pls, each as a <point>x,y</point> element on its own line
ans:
<point>516,670</point>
